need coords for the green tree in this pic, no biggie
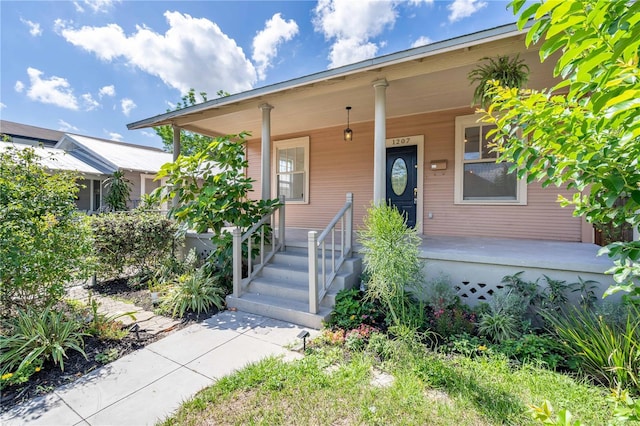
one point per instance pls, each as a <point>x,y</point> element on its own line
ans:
<point>585,131</point>
<point>190,142</point>
<point>118,191</point>
<point>44,241</point>
<point>213,191</point>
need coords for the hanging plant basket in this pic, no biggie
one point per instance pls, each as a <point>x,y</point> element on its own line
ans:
<point>510,72</point>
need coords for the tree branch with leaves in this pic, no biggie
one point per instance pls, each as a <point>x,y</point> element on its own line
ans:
<point>585,131</point>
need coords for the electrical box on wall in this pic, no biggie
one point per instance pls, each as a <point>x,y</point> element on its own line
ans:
<point>439,165</point>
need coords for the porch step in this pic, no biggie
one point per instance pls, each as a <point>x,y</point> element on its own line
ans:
<point>281,289</point>
<point>279,308</point>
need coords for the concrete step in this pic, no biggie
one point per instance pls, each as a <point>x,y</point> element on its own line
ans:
<point>283,289</point>
<point>285,310</point>
<point>299,260</point>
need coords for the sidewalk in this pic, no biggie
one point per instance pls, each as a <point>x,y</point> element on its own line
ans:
<point>146,386</point>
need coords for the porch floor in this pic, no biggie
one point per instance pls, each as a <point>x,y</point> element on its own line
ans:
<point>543,254</point>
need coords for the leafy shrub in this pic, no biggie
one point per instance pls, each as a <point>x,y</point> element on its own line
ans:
<point>467,345</point>
<point>608,351</point>
<point>44,241</point>
<point>35,336</point>
<point>352,309</point>
<point>453,320</point>
<point>356,339</point>
<point>134,242</point>
<point>195,292</point>
<point>22,375</point>
<point>392,262</point>
<point>439,293</point>
<point>541,348</point>
<point>213,189</point>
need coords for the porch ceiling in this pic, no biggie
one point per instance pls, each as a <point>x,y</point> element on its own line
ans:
<point>415,86</point>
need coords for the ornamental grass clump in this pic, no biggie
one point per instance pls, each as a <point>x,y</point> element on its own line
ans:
<point>35,336</point>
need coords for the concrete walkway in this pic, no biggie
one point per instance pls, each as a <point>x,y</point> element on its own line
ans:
<point>146,386</point>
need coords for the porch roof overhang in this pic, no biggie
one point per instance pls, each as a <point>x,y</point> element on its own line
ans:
<point>422,79</point>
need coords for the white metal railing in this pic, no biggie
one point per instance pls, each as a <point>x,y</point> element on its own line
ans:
<point>320,280</point>
<point>264,255</point>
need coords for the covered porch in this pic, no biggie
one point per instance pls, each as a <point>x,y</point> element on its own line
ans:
<point>476,265</point>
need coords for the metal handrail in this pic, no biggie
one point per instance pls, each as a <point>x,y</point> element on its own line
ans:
<point>345,216</point>
<point>239,238</point>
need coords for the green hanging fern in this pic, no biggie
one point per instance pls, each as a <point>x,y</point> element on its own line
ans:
<point>510,72</point>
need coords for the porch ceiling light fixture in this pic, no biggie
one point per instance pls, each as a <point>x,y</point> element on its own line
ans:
<point>348,133</point>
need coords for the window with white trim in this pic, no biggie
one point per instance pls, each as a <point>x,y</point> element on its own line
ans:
<point>478,178</point>
<point>291,165</point>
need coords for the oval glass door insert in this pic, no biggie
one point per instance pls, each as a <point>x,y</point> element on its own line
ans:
<point>399,176</point>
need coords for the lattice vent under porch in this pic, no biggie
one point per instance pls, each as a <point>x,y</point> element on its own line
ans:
<point>478,292</point>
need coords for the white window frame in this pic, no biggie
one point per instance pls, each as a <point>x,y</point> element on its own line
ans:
<point>291,143</point>
<point>473,120</point>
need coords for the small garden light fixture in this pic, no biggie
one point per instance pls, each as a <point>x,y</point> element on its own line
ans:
<point>303,335</point>
<point>348,133</point>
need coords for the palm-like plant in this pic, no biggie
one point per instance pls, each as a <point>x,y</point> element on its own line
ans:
<point>510,72</point>
<point>119,190</point>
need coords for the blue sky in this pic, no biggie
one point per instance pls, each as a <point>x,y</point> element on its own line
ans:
<point>92,66</point>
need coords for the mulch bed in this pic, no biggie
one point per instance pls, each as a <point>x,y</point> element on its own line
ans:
<point>75,366</point>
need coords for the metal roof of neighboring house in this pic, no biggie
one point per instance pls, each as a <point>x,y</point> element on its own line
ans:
<point>120,155</point>
<point>56,159</point>
<point>36,134</point>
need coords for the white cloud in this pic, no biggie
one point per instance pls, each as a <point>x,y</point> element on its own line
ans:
<point>19,86</point>
<point>89,103</point>
<point>127,105</point>
<point>107,91</point>
<point>421,41</point>
<point>2,106</point>
<point>97,6</point>
<point>63,126</point>
<point>266,42</point>
<point>464,8</point>
<point>148,134</point>
<point>171,105</point>
<point>34,27</point>
<point>55,90</point>
<point>352,24</point>
<point>419,2</point>
<point>193,52</point>
<point>114,136</point>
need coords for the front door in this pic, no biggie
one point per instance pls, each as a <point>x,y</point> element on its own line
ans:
<point>402,180</point>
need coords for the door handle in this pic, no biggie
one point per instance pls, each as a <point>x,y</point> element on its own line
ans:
<point>415,196</point>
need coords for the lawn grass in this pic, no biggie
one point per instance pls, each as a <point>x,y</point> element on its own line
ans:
<point>334,386</point>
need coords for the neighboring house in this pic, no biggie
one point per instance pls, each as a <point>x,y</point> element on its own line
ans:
<point>30,135</point>
<point>416,143</point>
<point>95,159</point>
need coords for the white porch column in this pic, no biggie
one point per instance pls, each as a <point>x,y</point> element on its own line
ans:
<point>379,136</point>
<point>177,147</point>
<point>265,169</point>
<point>91,196</point>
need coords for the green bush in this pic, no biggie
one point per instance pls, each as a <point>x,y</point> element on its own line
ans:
<point>537,348</point>
<point>352,309</point>
<point>195,292</point>
<point>34,336</point>
<point>132,243</point>
<point>44,241</point>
